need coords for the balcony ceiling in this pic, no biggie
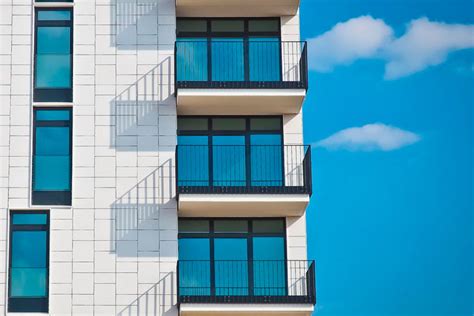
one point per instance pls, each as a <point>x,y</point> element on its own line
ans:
<point>246,309</point>
<point>239,101</point>
<point>242,205</point>
<point>236,8</point>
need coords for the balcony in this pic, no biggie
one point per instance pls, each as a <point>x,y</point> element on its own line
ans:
<point>243,181</point>
<point>246,77</point>
<point>246,287</point>
<point>236,8</point>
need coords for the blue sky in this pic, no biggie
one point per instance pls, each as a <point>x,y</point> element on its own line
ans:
<point>391,123</point>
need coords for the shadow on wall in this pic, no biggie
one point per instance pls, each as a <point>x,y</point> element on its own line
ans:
<point>145,216</point>
<point>155,301</point>
<point>137,110</point>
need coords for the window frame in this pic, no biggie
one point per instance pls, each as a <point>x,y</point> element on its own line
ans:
<point>44,198</point>
<point>211,235</point>
<point>53,94</point>
<point>28,305</point>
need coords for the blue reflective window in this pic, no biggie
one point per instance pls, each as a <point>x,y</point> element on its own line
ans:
<point>231,266</point>
<point>228,153</point>
<point>227,59</point>
<point>269,269</point>
<point>266,160</point>
<point>193,161</point>
<point>191,59</point>
<point>52,157</point>
<point>25,219</point>
<point>194,266</point>
<point>264,59</point>
<point>54,15</point>
<point>28,282</point>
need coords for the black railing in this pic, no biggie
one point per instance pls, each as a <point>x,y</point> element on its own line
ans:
<point>238,64</point>
<point>239,281</point>
<point>240,169</point>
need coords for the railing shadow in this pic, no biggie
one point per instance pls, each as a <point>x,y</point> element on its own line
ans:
<point>136,109</point>
<point>137,213</point>
<point>156,300</point>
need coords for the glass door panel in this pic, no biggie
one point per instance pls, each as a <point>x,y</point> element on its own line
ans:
<point>269,266</point>
<point>266,160</point>
<point>227,59</point>
<point>193,161</point>
<point>264,59</point>
<point>194,266</point>
<point>231,266</point>
<point>191,59</point>
<point>229,160</point>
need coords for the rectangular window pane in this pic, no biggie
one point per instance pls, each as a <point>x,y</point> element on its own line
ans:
<point>264,59</point>
<point>193,226</point>
<point>53,40</point>
<point>264,25</point>
<point>265,124</point>
<point>188,25</point>
<point>25,219</point>
<point>193,161</point>
<point>266,160</point>
<point>269,266</point>
<point>192,124</point>
<point>52,173</point>
<point>57,115</point>
<point>28,264</point>
<point>268,226</point>
<point>227,59</point>
<point>227,26</point>
<point>228,153</point>
<point>228,124</point>
<point>54,15</point>
<point>194,266</point>
<point>191,59</point>
<point>230,226</point>
<point>231,266</point>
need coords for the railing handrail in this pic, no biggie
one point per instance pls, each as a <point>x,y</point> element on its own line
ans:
<point>204,40</point>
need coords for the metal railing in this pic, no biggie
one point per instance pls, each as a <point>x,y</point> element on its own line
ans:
<point>245,63</point>
<point>246,281</point>
<point>244,169</point>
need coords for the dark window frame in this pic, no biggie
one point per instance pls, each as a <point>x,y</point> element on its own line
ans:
<point>52,197</point>
<point>27,305</point>
<point>211,235</point>
<point>54,94</point>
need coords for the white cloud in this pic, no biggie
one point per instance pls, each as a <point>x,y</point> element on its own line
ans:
<point>369,137</point>
<point>361,37</point>
<point>424,44</point>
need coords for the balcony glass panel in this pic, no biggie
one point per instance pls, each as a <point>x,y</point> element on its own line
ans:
<point>269,270</point>
<point>266,160</point>
<point>195,267</point>
<point>193,161</point>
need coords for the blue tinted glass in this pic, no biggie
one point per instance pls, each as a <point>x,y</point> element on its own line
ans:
<point>28,282</point>
<point>227,59</point>
<point>193,161</point>
<point>191,59</point>
<point>52,141</point>
<point>269,266</point>
<point>53,71</point>
<point>229,160</point>
<point>266,160</point>
<point>52,173</point>
<point>53,40</point>
<point>29,249</point>
<point>231,266</point>
<point>53,115</point>
<point>194,266</point>
<point>19,219</point>
<point>264,59</point>
<point>54,15</point>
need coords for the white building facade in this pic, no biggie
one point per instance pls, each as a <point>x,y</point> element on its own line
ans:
<point>152,158</point>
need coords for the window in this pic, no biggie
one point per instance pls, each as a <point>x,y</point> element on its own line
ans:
<point>239,49</point>
<point>28,262</point>
<point>245,151</point>
<point>232,257</point>
<point>53,55</point>
<point>52,152</point>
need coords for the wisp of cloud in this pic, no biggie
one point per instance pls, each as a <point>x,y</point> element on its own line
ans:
<point>424,44</point>
<point>370,137</point>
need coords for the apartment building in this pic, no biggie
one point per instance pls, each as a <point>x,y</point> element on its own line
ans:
<point>152,158</point>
